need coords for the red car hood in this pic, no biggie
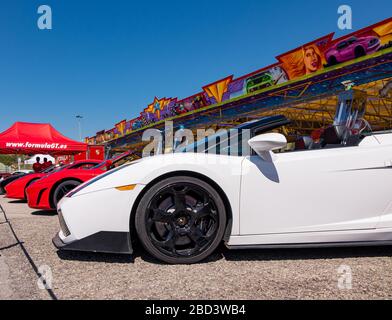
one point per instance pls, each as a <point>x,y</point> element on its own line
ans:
<point>23,180</point>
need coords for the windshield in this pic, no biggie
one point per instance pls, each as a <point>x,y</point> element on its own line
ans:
<point>117,161</point>
<point>200,145</point>
<point>224,142</point>
<point>50,169</point>
<point>54,169</point>
<point>234,141</point>
<point>99,165</point>
<point>231,142</point>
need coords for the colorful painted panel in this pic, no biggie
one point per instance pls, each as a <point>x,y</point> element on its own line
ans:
<point>304,61</point>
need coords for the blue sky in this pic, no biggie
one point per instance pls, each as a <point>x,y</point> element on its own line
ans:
<point>106,60</point>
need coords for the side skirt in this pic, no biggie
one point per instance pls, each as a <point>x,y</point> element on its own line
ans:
<point>313,245</point>
<point>369,237</point>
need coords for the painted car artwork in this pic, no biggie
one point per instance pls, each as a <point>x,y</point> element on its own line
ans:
<point>352,48</point>
<point>269,78</point>
<point>259,82</point>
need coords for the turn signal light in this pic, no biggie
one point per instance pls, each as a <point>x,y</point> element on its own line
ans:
<point>126,188</point>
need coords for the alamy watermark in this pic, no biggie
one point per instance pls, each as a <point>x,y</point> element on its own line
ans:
<point>345,277</point>
<point>44,21</point>
<point>45,280</point>
<point>345,21</point>
<point>230,142</point>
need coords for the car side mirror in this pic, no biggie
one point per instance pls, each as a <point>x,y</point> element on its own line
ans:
<point>265,143</point>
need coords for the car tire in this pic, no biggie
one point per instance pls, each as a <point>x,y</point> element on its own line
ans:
<point>332,61</point>
<point>62,189</point>
<point>181,220</point>
<point>359,52</point>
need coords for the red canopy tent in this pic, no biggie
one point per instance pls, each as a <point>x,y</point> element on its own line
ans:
<point>30,138</point>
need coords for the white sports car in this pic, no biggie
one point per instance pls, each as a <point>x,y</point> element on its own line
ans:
<point>181,206</point>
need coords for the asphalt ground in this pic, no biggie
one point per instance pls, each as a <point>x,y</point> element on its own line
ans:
<point>27,255</point>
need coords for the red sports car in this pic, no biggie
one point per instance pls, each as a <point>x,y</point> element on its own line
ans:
<point>47,192</point>
<point>17,189</point>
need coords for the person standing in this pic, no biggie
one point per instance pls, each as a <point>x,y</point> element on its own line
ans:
<point>37,167</point>
<point>47,164</point>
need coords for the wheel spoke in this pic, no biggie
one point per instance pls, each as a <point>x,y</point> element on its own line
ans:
<point>169,242</point>
<point>204,210</point>
<point>198,237</point>
<point>179,199</point>
<point>160,215</point>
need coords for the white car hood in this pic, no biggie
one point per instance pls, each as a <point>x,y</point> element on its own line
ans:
<point>145,170</point>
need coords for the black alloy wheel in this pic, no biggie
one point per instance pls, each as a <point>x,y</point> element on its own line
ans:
<point>62,189</point>
<point>181,220</point>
